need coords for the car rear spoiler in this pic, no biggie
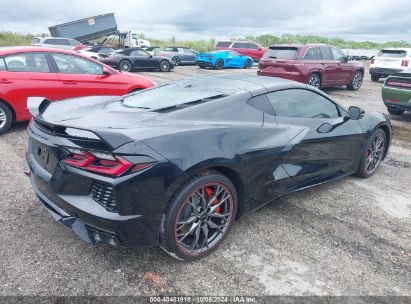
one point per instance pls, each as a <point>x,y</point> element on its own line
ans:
<point>37,105</point>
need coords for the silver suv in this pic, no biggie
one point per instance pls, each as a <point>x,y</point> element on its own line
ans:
<point>56,42</point>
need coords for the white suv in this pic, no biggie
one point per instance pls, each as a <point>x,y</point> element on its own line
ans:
<point>57,42</point>
<point>389,61</point>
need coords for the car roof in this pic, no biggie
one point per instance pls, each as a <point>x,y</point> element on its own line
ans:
<point>238,83</point>
<point>20,49</point>
<point>299,45</point>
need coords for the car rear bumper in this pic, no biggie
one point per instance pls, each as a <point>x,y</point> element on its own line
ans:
<point>70,195</point>
<point>383,72</point>
<point>203,63</point>
<point>397,98</point>
<point>296,76</point>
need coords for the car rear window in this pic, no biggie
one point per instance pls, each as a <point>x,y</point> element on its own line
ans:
<point>169,96</point>
<point>224,43</point>
<point>281,53</point>
<point>392,53</point>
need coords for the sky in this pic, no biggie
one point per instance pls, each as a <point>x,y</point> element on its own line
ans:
<point>374,20</point>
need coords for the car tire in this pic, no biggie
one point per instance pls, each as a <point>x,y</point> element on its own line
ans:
<point>314,80</point>
<point>374,77</point>
<point>164,66</point>
<point>373,154</point>
<point>124,66</point>
<point>219,64</point>
<point>247,64</point>
<point>6,118</point>
<point>176,60</point>
<point>395,111</point>
<point>194,227</point>
<point>356,81</point>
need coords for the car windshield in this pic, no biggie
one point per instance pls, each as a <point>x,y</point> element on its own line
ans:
<point>392,53</point>
<point>167,96</point>
<point>281,53</point>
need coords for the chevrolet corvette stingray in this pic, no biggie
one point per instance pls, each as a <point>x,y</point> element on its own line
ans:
<point>175,166</point>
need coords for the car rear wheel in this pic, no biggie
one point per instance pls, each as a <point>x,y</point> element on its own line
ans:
<point>164,66</point>
<point>124,66</point>
<point>356,81</point>
<point>247,64</point>
<point>373,154</point>
<point>6,118</point>
<point>375,77</point>
<point>176,60</point>
<point>199,217</point>
<point>314,80</point>
<point>219,65</point>
<point>395,111</point>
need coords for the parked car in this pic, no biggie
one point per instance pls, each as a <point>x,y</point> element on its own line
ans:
<point>317,65</point>
<point>177,165</point>
<point>396,92</point>
<point>389,61</point>
<point>60,43</point>
<point>152,50</point>
<point>132,59</point>
<point>55,74</point>
<point>246,48</point>
<point>223,59</point>
<point>95,51</point>
<point>180,55</point>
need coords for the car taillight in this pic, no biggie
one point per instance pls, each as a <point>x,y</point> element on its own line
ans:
<point>404,63</point>
<point>101,163</point>
<point>372,61</point>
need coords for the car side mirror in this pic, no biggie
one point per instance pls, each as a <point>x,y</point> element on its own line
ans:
<point>260,49</point>
<point>107,71</point>
<point>355,113</point>
<point>348,58</point>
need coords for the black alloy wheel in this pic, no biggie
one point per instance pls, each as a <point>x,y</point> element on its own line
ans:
<point>373,154</point>
<point>219,65</point>
<point>124,66</point>
<point>247,64</point>
<point>199,217</point>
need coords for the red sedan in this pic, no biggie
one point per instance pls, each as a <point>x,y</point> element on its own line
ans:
<point>55,74</point>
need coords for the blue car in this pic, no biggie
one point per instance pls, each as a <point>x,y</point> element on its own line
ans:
<point>223,59</point>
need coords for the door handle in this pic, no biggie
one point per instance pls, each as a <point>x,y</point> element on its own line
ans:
<point>5,81</point>
<point>69,82</point>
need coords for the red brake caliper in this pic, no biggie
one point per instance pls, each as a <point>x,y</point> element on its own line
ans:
<point>210,193</point>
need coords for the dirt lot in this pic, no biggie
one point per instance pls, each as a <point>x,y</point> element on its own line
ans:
<point>350,237</point>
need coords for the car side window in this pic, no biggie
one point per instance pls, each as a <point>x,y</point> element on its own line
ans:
<point>50,41</point>
<point>240,45</point>
<point>337,54</point>
<point>313,54</point>
<point>27,62</point>
<point>2,65</point>
<point>61,42</point>
<point>326,53</point>
<point>303,104</point>
<point>69,64</point>
<point>252,46</point>
<point>139,53</point>
<point>73,42</point>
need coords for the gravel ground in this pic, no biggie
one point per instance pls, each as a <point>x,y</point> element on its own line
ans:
<point>350,237</point>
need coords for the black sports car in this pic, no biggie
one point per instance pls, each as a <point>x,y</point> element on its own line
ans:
<point>132,59</point>
<point>177,165</point>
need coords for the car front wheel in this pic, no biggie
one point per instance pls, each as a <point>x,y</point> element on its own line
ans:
<point>356,81</point>
<point>164,66</point>
<point>176,60</point>
<point>199,216</point>
<point>247,64</point>
<point>373,154</point>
